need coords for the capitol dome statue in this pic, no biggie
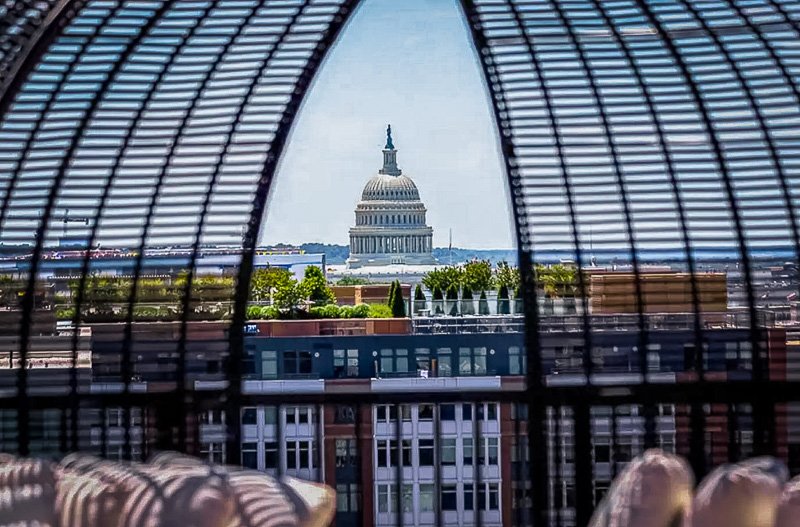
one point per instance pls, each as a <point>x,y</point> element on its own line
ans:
<point>390,219</point>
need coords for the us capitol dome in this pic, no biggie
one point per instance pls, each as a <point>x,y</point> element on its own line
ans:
<point>390,219</point>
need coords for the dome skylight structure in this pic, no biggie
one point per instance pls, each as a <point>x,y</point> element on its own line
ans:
<point>390,219</point>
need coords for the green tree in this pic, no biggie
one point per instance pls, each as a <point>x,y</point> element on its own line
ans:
<point>288,295</point>
<point>443,277</point>
<point>419,299</point>
<point>477,275</point>
<point>556,281</point>
<point>11,290</point>
<point>452,300</point>
<point>209,288</point>
<point>390,298</point>
<point>398,302</point>
<point>270,313</point>
<point>266,280</point>
<point>361,311</point>
<point>483,305</point>
<point>467,304</point>
<point>503,307</point>
<point>379,311</point>
<point>518,309</point>
<point>315,287</point>
<point>353,280</point>
<point>253,312</point>
<point>506,275</point>
<point>438,301</point>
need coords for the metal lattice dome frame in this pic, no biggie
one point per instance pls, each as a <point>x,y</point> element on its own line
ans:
<point>640,124</point>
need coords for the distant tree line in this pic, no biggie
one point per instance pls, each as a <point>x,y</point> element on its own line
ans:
<point>454,287</point>
<point>274,294</point>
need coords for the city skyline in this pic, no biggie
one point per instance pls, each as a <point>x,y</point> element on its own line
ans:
<point>422,78</point>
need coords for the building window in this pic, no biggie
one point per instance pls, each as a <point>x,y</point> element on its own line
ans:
<point>426,497</point>
<point>423,358</point>
<point>624,452</point>
<point>602,453</point>
<point>248,362</point>
<point>345,414</point>
<point>493,490</point>
<point>386,413</point>
<point>348,497</point>
<point>519,449</point>
<point>394,361</point>
<point>472,361</point>
<point>479,361</point>
<point>426,412</point>
<point>445,364</point>
<point>387,361</point>
<point>297,363</point>
<point>464,361</point>
<point>387,452</point>
<point>466,412</point>
<point>490,413</point>
<point>738,356</point>
<point>447,412</point>
<point>516,361</point>
<point>449,498</point>
<point>521,495</point>
<point>271,415</point>
<point>408,497</point>
<point>299,415</point>
<point>299,455</point>
<point>212,417</point>
<point>489,451</point>
<point>599,493</point>
<point>426,452</point>
<point>345,363</point>
<point>467,448</point>
<point>271,455</point>
<point>667,442</point>
<point>519,412</point>
<point>269,365</point>
<point>249,416</point>
<point>250,455</point>
<point>346,453</point>
<point>448,446</point>
<point>406,444</point>
<point>653,357</point>
<point>469,497</point>
<point>387,498</point>
<point>213,452</point>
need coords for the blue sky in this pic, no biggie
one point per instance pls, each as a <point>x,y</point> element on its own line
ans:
<point>408,63</point>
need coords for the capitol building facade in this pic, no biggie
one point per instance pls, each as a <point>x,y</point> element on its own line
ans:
<point>390,219</point>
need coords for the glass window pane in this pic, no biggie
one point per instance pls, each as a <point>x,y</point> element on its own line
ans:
<point>270,415</point>
<point>426,497</point>
<point>387,365</point>
<point>270,455</point>
<point>249,416</point>
<point>468,497</point>
<point>383,498</point>
<point>448,412</point>
<point>467,450</point>
<point>426,452</point>
<point>448,447</point>
<point>449,498</point>
<point>402,364</point>
<point>464,361</point>
<point>341,498</point>
<point>408,498</point>
<point>269,368</point>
